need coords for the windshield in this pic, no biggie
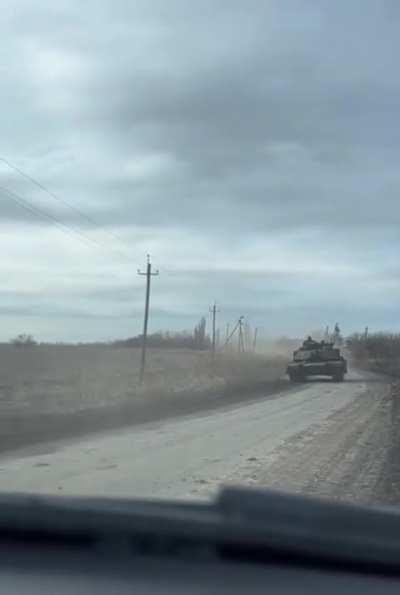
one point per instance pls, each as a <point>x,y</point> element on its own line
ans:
<point>190,193</point>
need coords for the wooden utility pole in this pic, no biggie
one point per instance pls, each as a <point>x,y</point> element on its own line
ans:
<point>218,339</point>
<point>227,336</point>
<point>230,335</point>
<point>241,338</point>
<point>247,336</point>
<point>214,311</point>
<point>255,339</point>
<point>366,333</point>
<point>148,274</point>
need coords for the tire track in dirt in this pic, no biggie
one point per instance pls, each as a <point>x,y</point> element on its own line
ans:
<point>344,457</point>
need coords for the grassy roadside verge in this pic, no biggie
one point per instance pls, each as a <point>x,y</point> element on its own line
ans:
<point>378,352</point>
<point>170,390</point>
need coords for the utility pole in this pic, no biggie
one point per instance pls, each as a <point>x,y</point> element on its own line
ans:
<point>214,311</point>
<point>241,339</point>
<point>247,336</point>
<point>227,335</point>
<point>230,335</point>
<point>148,274</point>
<point>366,333</point>
<point>255,339</point>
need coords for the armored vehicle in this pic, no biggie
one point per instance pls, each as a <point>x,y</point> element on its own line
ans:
<point>317,358</point>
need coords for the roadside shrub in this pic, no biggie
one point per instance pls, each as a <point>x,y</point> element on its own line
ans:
<point>23,340</point>
<point>377,351</point>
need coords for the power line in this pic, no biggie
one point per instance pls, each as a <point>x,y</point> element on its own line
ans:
<point>73,208</point>
<point>27,206</point>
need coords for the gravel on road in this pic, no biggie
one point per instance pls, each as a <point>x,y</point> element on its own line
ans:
<point>322,438</point>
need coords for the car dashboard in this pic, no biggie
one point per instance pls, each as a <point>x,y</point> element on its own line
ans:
<point>247,541</point>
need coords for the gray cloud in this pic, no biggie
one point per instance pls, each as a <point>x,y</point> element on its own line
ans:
<point>205,133</point>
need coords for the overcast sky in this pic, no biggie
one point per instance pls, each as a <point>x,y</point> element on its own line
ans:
<point>251,147</point>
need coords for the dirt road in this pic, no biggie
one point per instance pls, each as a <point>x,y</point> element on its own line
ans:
<point>320,438</point>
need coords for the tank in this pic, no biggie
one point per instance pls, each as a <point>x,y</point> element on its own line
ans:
<point>317,358</point>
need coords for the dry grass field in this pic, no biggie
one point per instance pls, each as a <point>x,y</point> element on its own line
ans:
<point>46,392</point>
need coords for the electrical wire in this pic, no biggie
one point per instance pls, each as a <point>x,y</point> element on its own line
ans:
<point>27,206</point>
<point>54,196</point>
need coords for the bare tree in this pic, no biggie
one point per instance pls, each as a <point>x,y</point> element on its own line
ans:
<point>337,337</point>
<point>199,335</point>
<point>23,340</point>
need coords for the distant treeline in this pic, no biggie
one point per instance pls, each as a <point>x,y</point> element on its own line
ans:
<point>378,351</point>
<point>198,339</point>
<point>182,340</point>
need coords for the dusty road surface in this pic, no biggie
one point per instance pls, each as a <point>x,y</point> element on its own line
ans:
<point>322,438</point>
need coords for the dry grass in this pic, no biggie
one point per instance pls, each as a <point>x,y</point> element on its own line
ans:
<point>70,378</point>
<point>248,371</point>
<point>378,352</point>
<point>47,393</point>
